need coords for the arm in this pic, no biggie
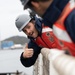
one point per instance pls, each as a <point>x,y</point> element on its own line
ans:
<point>27,62</point>
<point>70,25</point>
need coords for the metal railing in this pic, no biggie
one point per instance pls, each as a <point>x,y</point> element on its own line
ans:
<point>54,62</point>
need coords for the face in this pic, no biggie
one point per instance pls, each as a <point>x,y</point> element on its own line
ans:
<point>30,30</point>
<point>38,8</point>
<point>41,7</point>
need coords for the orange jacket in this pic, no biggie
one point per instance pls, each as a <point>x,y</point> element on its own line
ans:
<point>46,39</point>
<point>62,37</point>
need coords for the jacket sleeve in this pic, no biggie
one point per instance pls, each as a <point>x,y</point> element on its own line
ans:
<point>70,25</point>
<point>27,62</point>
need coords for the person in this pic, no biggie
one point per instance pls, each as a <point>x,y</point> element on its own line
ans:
<point>60,16</point>
<point>40,36</point>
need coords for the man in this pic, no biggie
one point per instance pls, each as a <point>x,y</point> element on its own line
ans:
<point>40,36</point>
<point>59,15</point>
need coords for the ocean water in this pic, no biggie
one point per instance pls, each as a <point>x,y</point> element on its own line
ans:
<point>10,62</point>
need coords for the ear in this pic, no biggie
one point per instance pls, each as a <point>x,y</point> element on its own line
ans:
<point>35,4</point>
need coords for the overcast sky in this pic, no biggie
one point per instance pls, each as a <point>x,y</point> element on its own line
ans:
<point>9,11</point>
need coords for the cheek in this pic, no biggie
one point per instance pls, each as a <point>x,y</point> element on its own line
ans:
<point>36,32</point>
<point>37,10</point>
<point>26,33</point>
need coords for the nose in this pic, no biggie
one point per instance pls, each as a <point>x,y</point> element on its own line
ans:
<point>28,31</point>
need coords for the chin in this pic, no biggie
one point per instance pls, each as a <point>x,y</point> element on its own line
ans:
<point>35,37</point>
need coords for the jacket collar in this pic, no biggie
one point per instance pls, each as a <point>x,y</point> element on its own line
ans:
<point>54,11</point>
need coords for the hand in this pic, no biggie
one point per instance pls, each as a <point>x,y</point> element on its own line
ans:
<point>28,52</point>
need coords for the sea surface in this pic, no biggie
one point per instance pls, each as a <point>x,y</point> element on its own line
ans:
<point>10,62</point>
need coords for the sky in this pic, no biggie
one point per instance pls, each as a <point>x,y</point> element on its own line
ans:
<point>9,11</point>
